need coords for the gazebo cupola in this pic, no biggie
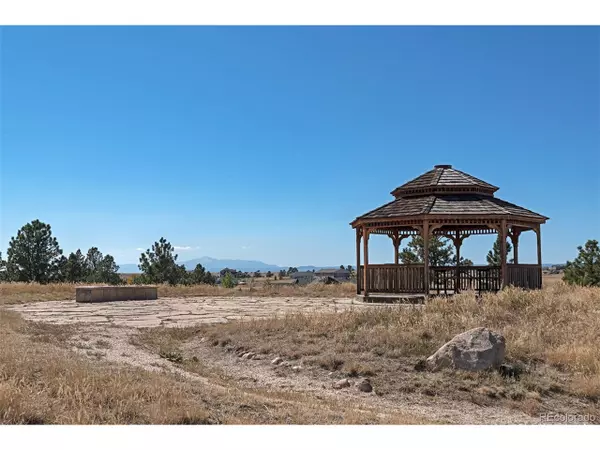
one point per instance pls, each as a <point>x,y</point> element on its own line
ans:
<point>453,204</point>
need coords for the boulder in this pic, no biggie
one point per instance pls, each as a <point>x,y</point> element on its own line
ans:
<point>473,350</point>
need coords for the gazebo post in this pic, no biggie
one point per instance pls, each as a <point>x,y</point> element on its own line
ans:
<point>358,274</point>
<point>503,274</point>
<point>426,257</point>
<point>514,237</point>
<point>538,232</point>
<point>457,244</point>
<point>366,261</point>
<point>396,242</point>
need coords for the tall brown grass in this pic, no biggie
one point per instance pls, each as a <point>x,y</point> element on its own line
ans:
<point>558,326</point>
<point>13,293</point>
<point>42,383</point>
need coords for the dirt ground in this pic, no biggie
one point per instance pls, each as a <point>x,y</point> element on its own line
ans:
<point>111,332</point>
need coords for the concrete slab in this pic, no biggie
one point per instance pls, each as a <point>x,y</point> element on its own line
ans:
<point>94,294</point>
<point>173,312</point>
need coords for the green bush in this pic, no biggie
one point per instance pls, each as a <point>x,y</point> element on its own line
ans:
<point>228,281</point>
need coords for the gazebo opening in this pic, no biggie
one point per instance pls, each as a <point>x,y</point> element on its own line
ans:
<point>448,203</point>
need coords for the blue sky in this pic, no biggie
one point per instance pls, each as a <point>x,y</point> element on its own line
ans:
<point>264,143</point>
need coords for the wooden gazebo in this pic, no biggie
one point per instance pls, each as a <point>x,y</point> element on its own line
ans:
<point>453,204</point>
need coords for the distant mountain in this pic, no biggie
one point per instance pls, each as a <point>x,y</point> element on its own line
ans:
<point>128,268</point>
<point>215,265</point>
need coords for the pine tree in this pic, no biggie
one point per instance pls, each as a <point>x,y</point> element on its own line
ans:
<point>75,270</point>
<point>98,268</point>
<point>441,252</point>
<point>34,254</point>
<point>493,257</point>
<point>351,272</point>
<point>159,264</point>
<point>585,269</point>
<point>200,275</point>
<point>3,271</point>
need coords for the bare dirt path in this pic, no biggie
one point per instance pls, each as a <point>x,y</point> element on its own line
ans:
<point>258,378</point>
<point>104,331</point>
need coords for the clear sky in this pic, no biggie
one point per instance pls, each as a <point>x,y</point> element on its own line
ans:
<point>264,143</point>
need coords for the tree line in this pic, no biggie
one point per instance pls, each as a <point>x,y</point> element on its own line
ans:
<point>34,255</point>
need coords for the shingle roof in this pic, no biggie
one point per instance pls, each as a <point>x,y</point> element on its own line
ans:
<point>323,271</point>
<point>447,191</point>
<point>443,178</point>
<point>300,274</point>
<point>463,204</point>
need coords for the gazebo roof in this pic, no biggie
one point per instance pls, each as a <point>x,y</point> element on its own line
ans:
<point>443,179</point>
<point>456,205</point>
<point>448,192</point>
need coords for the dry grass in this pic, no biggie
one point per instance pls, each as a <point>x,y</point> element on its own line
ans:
<point>553,333</point>
<point>15,293</point>
<point>262,290</point>
<point>42,383</point>
<point>551,278</point>
<point>560,325</point>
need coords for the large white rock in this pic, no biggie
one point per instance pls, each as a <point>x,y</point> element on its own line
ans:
<point>476,349</point>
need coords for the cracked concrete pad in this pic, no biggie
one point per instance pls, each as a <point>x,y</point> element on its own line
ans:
<point>172,312</point>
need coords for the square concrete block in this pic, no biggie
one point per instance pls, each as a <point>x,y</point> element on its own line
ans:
<point>91,294</point>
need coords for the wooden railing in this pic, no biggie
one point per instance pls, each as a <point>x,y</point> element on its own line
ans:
<point>393,278</point>
<point>400,278</point>
<point>526,276</point>
<point>442,279</point>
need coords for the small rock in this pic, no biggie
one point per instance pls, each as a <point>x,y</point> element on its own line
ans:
<point>277,361</point>
<point>364,385</point>
<point>249,355</point>
<point>331,374</point>
<point>297,368</point>
<point>509,371</point>
<point>421,365</point>
<point>203,339</point>
<point>340,384</point>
